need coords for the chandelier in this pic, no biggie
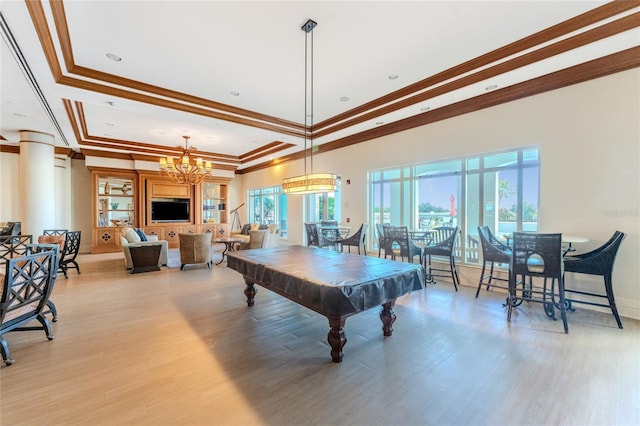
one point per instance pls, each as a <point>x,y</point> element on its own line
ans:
<point>309,183</point>
<point>186,171</point>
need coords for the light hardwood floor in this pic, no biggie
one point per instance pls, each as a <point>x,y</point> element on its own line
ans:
<point>182,348</point>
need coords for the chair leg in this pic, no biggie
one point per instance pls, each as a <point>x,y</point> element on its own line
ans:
<point>53,310</point>
<point>563,306</point>
<point>4,348</point>
<point>608,285</point>
<point>45,326</point>
<point>63,268</point>
<point>454,272</point>
<point>484,265</point>
<point>76,265</point>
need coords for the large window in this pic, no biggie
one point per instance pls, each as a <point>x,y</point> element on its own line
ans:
<point>323,207</point>
<point>500,190</point>
<point>268,206</point>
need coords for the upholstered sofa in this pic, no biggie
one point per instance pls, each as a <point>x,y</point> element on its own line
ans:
<point>272,237</point>
<point>127,239</point>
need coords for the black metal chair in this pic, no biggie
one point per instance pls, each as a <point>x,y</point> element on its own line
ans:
<point>11,230</point>
<point>14,246</point>
<point>27,285</point>
<point>493,251</point>
<point>537,256</point>
<point>38,248</point>
<point>381,239</point>
<point>55,232</point>
<point>315,238</point>
<point>357,239</point>
<point>596,262</point>
<point>444,244</point>
<point>397,239</point>
<point>70,252</point>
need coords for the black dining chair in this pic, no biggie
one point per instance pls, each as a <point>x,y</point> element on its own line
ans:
<point>330,234</point>
<point>443,245</point>
<point>357,239</point>
<point>400,245</point>
<point>70,252</point>
<point>596,262</point>
<point>493,251</point>
<point>537,256</point>
<point>314,237</point>
<point>381,239</point>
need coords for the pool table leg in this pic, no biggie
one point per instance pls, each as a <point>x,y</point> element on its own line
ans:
<point>388,317</point>
<point>250,291</point>
<point>336,338</point>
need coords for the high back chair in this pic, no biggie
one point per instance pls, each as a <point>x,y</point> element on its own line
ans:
<point>537,256</point>
<point>596,262</point>
<point>70,252</point>
<point>11,229</point>
<point>28,281</point>
<point>357,239</point>
<point>443,245</point>
<point>493,251</point>
<point>332,234</point>
<point>43,247</point>
<point>381,238</point>
<point>14,246</point>
<point>314,237</point>
<point>397,239</point>
<point>55,231</point>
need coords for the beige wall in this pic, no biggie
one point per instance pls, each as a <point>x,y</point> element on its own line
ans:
<point>589,139</point>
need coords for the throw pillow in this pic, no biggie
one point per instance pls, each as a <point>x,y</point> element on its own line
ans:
<point>255,226</point>
<point>263,227</point>
<point>52,239</point>
<point>141,234</point>
<point>131,235</point>
<point>245,229</point>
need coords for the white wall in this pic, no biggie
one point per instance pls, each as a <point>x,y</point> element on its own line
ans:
<point>589,139</point>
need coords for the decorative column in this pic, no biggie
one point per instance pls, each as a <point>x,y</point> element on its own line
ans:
<point>37,182</point>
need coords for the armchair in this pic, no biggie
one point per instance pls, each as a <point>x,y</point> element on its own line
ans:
<point>26,287</point>
<point>127,240</point>
<point>195,248</point>
<point>257,239</point>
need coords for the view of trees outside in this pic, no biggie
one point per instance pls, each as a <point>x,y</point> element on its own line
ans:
<point>428,196</point>
<point>268,206</point>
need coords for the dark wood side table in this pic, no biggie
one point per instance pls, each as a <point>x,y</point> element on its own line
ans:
<point>145,258</point>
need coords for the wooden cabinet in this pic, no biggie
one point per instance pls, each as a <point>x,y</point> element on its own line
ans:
<point>123,197</point>
<point>214,203</point>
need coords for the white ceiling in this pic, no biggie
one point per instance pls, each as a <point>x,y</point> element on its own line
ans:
<point>209,49</point>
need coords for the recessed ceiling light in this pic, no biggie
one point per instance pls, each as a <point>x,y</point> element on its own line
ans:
<point>114,57</point>
<point>234,93</point>
<point>110,124</point>
<point>393,76</point>
<point>107,135</point>
<point>111,103</point>
<point>17,114</point>
<point>491,87</point>
<point>425,108</point>
<point>344,99</point>
<point>378,123</point>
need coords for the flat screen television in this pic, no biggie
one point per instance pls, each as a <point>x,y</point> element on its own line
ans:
<point>176,210</point>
